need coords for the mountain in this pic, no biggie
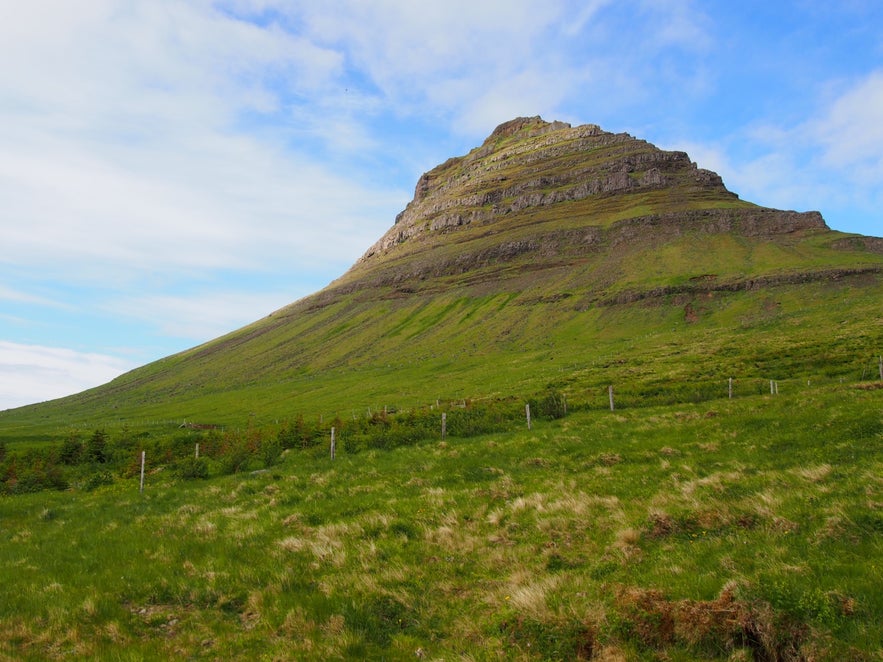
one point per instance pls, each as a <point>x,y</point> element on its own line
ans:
<point>550,254</point>
<point>706,517</point>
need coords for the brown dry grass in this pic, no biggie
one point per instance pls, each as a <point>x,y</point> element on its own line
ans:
<point>729,624</point>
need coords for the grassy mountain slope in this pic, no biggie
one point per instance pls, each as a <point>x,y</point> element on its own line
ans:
<point>542,255</point>
<point>550,261</point>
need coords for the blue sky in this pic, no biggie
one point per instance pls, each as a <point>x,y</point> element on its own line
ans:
<point>171,171</point>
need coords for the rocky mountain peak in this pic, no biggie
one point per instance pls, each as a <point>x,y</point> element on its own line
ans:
<point>527,126</point>
<point>527,163</point>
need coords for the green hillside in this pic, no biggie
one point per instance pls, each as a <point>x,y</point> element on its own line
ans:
<point>535,258</point>
<point>585,403</point>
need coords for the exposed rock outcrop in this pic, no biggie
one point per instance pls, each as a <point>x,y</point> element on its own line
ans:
<point>527,163</point>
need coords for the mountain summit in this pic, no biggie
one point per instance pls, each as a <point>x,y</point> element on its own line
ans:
<point>544,250</point>
<point>528,164</point>
<point>550,188</point>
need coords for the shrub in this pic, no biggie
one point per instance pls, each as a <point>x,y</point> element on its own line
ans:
<point>97,479</point>
<point>234,458</point>
<point>96,448</point>
<point>71,451</point>
<point>550,405</point>
<point>297,434</point>
<point>271,451</point>
<point>192,467</point>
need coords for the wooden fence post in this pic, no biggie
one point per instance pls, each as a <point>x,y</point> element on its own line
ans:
<point>527,413</point>
<point>141,490</point>
<point>196,454</point>
<point>444,425</point>
<point>610,394</point>
<point>730,388</point>
<point>332,443</point>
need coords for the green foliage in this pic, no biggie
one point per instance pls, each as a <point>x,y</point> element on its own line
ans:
<point>234,456</point>
<point>550,405</point>
<point>33,471</point>
<point>678,531</point>
<point>557,639</point>
<point>95,451</point>
<point>71,450</point>
<point>97,479</point>
<point>297,434</point>
<point>800,602</point>
<point>192,467</point>
<point>270,451</point>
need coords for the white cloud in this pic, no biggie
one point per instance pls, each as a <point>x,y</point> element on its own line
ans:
<point>577,21</point>
<point>851,132</point>
<point>10,294</point>
<point>199,318</point>
<point>679,23</point>
<point>123,145</point>
<point>462,61</point>
<point>34,373</point>
<point>815,164</point>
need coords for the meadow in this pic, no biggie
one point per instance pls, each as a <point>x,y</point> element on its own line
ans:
<point>736,529</point>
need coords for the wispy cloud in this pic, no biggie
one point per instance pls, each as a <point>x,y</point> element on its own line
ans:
<point>815,164</point>
<point>200,317</point>
<point>12,294</point>
<point>141,163</point>
<point>850,131</point>
<point>33,373</point>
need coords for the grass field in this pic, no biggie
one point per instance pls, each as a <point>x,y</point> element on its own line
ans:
<point>730,529</point>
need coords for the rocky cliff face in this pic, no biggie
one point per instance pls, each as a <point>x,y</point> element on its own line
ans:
<point>527,164</point>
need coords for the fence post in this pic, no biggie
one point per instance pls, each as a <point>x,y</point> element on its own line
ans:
<point>730,388</point>
<point>444,425</point>
<point>332,443</point>
<point>610,394</point>
<point>527,413</point>
<point>197,451</point>
<point>141,490</point>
